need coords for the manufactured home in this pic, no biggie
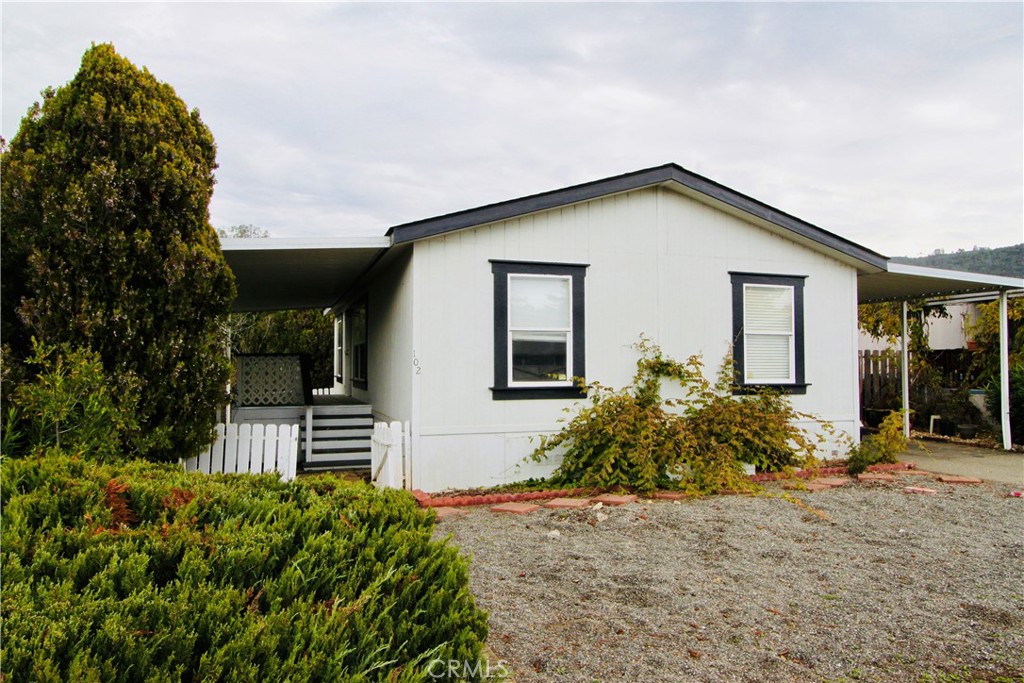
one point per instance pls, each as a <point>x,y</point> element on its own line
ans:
<point>470,327</point>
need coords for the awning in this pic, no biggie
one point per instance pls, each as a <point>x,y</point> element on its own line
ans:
<point>903,282</point>
<point>278,273</point>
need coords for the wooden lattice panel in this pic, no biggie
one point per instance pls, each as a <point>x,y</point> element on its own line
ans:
<point>269,381</point>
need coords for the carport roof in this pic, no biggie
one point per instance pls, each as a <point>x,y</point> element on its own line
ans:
<point>277,274</point>
<point>903,282</point>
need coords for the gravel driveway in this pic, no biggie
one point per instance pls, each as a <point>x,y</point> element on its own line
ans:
<point>888,587</point>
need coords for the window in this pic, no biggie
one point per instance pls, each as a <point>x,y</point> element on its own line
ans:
<point>538,329</point>
<point>339,349</point>
<point>360,359</point>
<point>768,331</point>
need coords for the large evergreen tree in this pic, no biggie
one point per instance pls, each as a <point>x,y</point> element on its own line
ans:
<point>107,245</point>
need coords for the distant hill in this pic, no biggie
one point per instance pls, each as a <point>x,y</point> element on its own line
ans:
<point>1008,261</point>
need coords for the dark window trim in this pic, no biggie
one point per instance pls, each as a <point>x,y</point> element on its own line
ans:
<point>362,383</point>
<point>501,391</point>
<point>799,385</point>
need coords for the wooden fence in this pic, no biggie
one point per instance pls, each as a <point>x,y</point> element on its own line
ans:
<point>879,379</point>
<point>250,448</point>
<point>389,462</point>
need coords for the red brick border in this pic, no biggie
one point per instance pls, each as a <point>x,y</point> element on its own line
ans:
<point>427,501</point>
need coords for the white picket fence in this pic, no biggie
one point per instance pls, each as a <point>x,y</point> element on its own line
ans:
<point>389,455</point>
<point>250,448</point>
<point>260,448</point>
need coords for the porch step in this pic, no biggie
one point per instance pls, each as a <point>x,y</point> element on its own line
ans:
<point>341,437</point>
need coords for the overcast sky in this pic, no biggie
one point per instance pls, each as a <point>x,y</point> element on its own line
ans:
<point>898,126</point>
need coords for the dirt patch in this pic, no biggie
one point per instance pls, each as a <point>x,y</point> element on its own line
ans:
<point>860,583</point>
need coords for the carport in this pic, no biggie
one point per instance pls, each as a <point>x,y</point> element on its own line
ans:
<point>905,283</point>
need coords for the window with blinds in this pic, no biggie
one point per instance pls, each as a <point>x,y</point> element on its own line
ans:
<point>768,334</point>
<point>768,331</point>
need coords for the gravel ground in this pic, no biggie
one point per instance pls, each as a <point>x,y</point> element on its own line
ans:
<point>888,586</point>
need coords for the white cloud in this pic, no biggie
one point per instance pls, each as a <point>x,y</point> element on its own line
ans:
<point>895,125</point>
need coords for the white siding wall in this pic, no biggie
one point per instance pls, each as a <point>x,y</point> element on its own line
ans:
<point>659,265</point>
<point>950,333</point>
<point>389,335</point>
<point>943,333</point>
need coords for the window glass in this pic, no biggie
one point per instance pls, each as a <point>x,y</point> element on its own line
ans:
<point>360,357</point>
<point>339,349</point>
<point>540,356</point>
<point>540,325</point>
<point>768,333</point>
<point>769,309</point>
<point>768,358</point>
<point>539,302</point>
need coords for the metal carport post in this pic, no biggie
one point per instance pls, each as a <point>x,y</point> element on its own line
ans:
<point>904,283</point>
<point>1004,368</point>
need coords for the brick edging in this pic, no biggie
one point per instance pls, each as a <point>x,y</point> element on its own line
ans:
<point>426,500</point>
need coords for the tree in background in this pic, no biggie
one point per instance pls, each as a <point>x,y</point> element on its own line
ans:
<point>884,321</point>
<point>984,331</point>
<point>305,331</point>
<point>107,246</point>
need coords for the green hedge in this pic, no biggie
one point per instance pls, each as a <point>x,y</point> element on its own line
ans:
<point>141,572</point>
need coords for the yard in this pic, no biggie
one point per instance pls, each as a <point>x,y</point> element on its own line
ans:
<point>868,583</point>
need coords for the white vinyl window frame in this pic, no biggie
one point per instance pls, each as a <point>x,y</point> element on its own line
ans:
<point>339,349</point>
<point>751,330</point>
<point>567,330</point>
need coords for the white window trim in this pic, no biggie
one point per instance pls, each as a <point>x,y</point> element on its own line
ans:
<point>568,382</point>
<point>791,336</point>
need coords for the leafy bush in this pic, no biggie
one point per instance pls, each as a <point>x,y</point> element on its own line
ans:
<point>67,407</point>
<point>635,438</point>
<point>143,572</point>
<point>879,448</point>
<point>993,401</point>
<point>625,437</point>
<point>759,428</point>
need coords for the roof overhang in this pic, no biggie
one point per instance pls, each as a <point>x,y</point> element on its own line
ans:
<point>902,282</point>
<point>278,273</point>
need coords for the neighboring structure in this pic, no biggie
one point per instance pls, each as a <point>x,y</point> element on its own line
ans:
<point>471,326</point>
<point>947,333</point>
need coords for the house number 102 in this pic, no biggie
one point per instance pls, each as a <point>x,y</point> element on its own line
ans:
<point>416,363</point>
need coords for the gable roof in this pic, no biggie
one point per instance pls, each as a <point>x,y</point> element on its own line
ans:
<point>670,175</point>
<point>277,274</point>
